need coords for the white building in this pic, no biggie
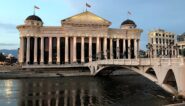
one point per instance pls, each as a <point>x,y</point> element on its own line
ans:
<point>81,38</point>
<point>161,43</point>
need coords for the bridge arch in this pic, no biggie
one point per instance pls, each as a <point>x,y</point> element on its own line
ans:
<point>151,72</point>
<point>170,81</point>
<point>109,70</point>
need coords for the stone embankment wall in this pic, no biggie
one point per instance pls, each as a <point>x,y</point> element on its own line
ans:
<point>10,68</point>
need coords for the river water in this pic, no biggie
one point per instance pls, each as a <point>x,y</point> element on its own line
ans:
<point>126,90</point>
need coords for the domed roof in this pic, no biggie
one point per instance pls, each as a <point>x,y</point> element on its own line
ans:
<point>128,21</point>
<point>34,17</point>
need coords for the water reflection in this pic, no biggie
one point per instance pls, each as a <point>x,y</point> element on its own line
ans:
<point>8,88</point>
<point>82,91</point>
<point>60,92</point>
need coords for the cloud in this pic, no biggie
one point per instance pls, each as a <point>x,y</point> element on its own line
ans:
<point>8,44</point>
<point>8,27</point>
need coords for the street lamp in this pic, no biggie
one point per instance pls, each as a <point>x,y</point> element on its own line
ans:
<point>150,48</point>
<point>176,49</point>
<point>170,45</point>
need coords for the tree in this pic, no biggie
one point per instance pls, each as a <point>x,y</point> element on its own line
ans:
<point>2,57</point>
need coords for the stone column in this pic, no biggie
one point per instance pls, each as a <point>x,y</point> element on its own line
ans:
<point>42,51</point>
<point>175,53</point>
<point>172,53</point>
<point>178,52</point>
<point>117,49</point>
<point>66,50</point>
<point>98,54</point>
<point>74,48</point>
<point>50,50</point>
<point>90,49</point>
<point>35,50</point>
<point>105,48</point>
<point>58,50</point>
<point>28,51</point>
<point>21,51</point>
<point>124,48</point>
<point>162,50</point>
<point>129,49</point>
<point>135,48</point>
<point>82,50</point>
<point>155,51</point>
<point>111,49</point>
<point>138,45</point>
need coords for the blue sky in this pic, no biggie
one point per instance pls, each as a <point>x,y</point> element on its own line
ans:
<point>148,15</point>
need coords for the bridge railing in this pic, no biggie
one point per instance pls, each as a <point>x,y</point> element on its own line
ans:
<point>142,61</point>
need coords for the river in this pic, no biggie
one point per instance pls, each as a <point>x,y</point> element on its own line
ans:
<point>126,90</point>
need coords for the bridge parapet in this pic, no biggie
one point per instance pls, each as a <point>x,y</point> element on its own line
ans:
<point>140,62</point>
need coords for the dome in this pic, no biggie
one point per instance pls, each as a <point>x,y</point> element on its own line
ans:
<point>128,22</point>
<point>34,17</point>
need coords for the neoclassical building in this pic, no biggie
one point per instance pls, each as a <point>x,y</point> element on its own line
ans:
<point>161,43</point>
<point>82,38</point>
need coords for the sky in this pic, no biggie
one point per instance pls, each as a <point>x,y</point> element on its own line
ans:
<point>147,14</point>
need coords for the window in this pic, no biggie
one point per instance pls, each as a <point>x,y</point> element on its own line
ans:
<point>32,23</point>
<point>163,35</point>
<point>163,41</point>
<point>160,40</point>
<point>156,40</point>
<point>156,34</point>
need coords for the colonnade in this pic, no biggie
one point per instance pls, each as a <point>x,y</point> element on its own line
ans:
<point>106,48</point>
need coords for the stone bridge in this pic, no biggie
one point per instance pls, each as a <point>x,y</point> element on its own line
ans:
<point>168,73</point>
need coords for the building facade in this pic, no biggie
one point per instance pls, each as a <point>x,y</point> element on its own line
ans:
<point>82,38</point>
<point>161,44</point>
<point>181,44</point>
<point>181,37</point>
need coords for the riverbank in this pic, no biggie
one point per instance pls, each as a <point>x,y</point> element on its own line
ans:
<point>16,71</point>
<point>10,68</point>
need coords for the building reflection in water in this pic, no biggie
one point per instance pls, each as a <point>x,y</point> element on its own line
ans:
<point>8,86</point>
<point>59,92</point>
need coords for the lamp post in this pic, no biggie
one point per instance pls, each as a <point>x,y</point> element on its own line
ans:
<point>150,48</point>
<point>176,50</point>
<point>170,46</point>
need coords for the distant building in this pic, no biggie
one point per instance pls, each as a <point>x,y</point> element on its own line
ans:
<point>181,44</point>
<point>181,37</point>
<point>161,43</point>
<point>6,59</point>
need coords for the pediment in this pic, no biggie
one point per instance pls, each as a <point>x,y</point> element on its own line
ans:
<point>87,18</point>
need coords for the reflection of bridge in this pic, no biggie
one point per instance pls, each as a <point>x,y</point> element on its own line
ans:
<point>168,73</point>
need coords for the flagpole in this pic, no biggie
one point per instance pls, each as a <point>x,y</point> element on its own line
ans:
<point>34,10</point>
<point>86,6</point>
